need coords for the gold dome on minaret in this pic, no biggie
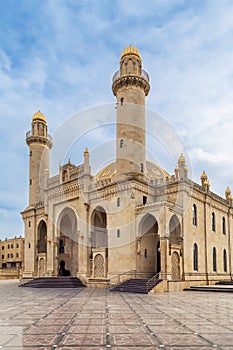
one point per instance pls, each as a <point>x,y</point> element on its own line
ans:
<point>181,159</point>
<point>228,193</point>
<point>39,116</point>
<point>204,176</point>
<point>131,50</point>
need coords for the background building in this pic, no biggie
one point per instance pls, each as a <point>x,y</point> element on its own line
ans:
<point>11,258</point>
<point>132,215</point>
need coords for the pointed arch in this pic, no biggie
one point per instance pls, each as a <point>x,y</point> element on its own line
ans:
<point>42,237</point>
<point>194,214</point>
<point>148,246</point>
<point>99,236</point>
<point>67,248</point>
<point>174,230</point>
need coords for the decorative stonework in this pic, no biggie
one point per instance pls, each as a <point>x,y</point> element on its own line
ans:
<point>39,139</point>
<point>131,80</point>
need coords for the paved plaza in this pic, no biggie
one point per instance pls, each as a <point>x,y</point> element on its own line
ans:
<point>87,318</point>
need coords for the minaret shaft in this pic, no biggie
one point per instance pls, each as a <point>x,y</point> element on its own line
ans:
<point>39,143</point>
<point>130,86</point>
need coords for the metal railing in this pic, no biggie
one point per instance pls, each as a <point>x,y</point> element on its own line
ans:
<point>29,133</point>
<point>122,277</point>
<point>132,274</point>
<point>143,74</point>
<point>153,281</point>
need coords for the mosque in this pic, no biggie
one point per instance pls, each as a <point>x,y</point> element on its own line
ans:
<point>132,218</point>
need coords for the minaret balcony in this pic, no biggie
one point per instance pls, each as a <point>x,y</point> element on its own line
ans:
<point>124,80</point>
<point>29,133</point>
<point>118,75</point>
<point>32,138</point>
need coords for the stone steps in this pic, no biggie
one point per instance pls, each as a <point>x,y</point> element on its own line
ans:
<point>54,282</point>
<point>219,287</point>
<point>137,285</point>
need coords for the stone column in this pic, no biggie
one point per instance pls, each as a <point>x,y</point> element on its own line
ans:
<point>164,247</point>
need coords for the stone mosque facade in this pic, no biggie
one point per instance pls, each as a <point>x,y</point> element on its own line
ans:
<point>132,218</point>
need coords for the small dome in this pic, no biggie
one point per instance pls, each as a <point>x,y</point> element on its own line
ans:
<point>176,169</point>
<point>86,152</point>
<point>227,192</point>
<point>181,159</point>
<point>39,116</point>
<point>131,50</point>
<point>204,175</point>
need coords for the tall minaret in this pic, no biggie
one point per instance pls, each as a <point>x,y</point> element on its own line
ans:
<point>39,142</point>
<point>130,86</point>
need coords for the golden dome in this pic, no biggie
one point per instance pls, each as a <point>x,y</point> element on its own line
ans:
<point>204,175</point>
<point>181,159</point>
<point>86,152</point>
<point>176,169</point>
<point>227,192</point>
<point>39,116</point>
<point>186,169</point>
<point>131,50</point>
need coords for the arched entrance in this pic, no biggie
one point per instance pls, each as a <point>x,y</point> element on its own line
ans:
<point>67,241</point>
<point>99,243</point>
<point>41,248</point>
<point>42,237</point>
<point>175,246</point>
<point>148,246</point>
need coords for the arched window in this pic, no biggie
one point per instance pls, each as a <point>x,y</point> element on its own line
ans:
<point>195,257</point>
<point>213,222</point>
<point>118,233</point>
<point>122,101</point>
<point>223,226</point>
<point>121,143</point>
<point>118,201</point>
<point>224,260</point>
<point>214,260</point>
<point>61,249</point>
<point>194,210</point>
<point>141,167</point>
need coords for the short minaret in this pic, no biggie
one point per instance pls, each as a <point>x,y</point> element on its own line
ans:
<point>204,181</point>
<point>39,142</point>
<point>183,170</point>
<point>86,162</point>
<point>130,86</point>
<point>228,194</point>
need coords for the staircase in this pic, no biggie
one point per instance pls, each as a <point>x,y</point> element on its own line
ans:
<point>54,282</point>
<point>136,285</point>
<point>220,287</point>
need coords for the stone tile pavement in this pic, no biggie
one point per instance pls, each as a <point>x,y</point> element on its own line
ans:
<point>65,319</point>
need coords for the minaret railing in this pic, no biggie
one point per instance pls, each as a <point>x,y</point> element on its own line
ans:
<point>118,75</point>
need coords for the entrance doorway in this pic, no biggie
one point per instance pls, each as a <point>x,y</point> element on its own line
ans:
<point>148,246</point>
<point>99,243</point>
<point>67,241</point>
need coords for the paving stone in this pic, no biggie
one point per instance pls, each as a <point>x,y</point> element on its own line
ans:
<point>91,319</point>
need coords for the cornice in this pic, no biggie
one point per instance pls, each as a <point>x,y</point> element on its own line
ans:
<point>129,80</point>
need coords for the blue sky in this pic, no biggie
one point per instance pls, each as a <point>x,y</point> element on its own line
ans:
<point>59,56</point>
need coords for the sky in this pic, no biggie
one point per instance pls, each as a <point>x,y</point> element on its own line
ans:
<point>59,56</point>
